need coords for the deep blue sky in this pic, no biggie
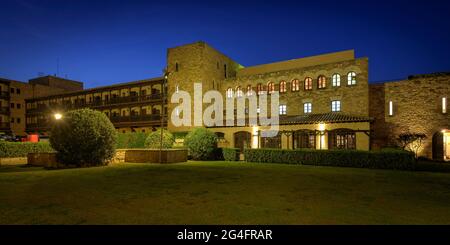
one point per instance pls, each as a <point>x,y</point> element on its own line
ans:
<point>104,42</point>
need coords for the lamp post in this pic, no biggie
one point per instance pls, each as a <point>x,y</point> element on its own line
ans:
<point>163,93</point>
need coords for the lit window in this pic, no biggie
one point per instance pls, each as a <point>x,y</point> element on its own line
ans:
<point>229,93</point>
<point>259,88</point>
<point>283,87</point>
<point>336,105</point>
<point>271,87</point>
<point>336,80</point>
<point>308,83</point>
<point>295,85</point>
<point>444,105</point>
<point>307,108</point>
<point>249,90</point>
<point>239,92</point>
<point>351,78</point>
<point>282,109</point>
<point>321,81</point>
<point>391,108</point>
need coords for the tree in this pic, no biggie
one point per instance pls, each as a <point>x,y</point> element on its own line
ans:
<point>154,139</point>
<point>84,137</point>
<point>201,143</point>
<point>412,142</point>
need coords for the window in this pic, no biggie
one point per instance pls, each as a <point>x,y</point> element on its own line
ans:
<point>391,108</point>
<point>304,139</point>
<point>229,93</point>
<point>271,87</point>
<point>336,105</point>
<point>321,82</point>
<point>12,119</point>
<point>444,105</point>
<point>18,120</point>
<point>225,70</point>
<point>308,83</point>
<point>176,67</point>
<point>12,90</point>
<point>18,106</point>
<point>282,109</point>
<point>259,88</point>
<point>336,80</point>
<point>258,110</point>
<point>18,90</point>
<point>283,87</point>
<point>12,105</point>
<point>351,78</point>
<point>341,139</point>
<point>239,92</point>
<point>295,85</point>
<point>307,107</point>
<point>249,90</point>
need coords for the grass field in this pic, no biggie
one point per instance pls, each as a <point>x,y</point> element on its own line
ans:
<point>222,193</point>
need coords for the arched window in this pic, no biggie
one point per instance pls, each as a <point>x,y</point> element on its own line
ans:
<point>351,78</point>
<point>308,83</point>
<point>321,81</point>
<point>239,92</point>
<point>249,90</point>
<point>271,87</point>
<point>295,85</point>
<point>229,93</point>
<point>336,80</point>
<point>259,88</point>
<point>283,87</point>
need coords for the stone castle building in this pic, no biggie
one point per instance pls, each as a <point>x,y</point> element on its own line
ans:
<point>325,102</point>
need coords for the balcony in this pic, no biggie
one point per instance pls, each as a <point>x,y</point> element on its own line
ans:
<point>137,119</point>
<point>4,95</point>
<point>4,126</point>
<point>4,110</point>
<point>96,103</point>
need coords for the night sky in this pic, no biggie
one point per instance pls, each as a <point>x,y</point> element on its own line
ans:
<point>105,42</point>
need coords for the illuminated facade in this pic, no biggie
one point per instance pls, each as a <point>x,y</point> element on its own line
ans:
<point>326,102</point>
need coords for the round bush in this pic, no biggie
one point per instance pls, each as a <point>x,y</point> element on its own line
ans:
<point>154,138</point>
<point>84,138</point>
<point>201,143</point>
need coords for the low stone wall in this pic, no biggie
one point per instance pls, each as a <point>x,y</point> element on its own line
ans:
<point>13,160</point>
<point>48,160</point>
<point>152,155</point>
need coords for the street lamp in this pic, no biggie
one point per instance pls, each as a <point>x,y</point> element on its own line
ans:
<point>57,116</point>
<point>163,88</point>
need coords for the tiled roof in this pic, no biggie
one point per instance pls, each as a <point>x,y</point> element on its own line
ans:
<point>331,117</point>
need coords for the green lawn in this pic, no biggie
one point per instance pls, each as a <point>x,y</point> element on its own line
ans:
<point>222,193</point>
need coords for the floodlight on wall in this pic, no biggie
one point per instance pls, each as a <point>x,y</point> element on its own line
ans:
<point>57,116</point>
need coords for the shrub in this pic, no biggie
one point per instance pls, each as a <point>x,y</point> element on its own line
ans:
<point>21,149</point>
<point>389,159</point>
<point>84,138</point>
<point>154,140</point>
<point>412,142</point>
<point>131,140</point>
<point>201,143</point>
<point>231,154</point>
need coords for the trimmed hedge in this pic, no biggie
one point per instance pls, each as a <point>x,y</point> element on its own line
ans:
<point>153,140</point>
<point>21,149</point>
<point>131,140</point>
<point>230,154</point>
<point>387,159</point>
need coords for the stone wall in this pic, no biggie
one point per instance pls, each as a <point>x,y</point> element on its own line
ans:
<point>152,155</point>
<point>354,98</point>
<point>197,63</point>
<point>417,108</point>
